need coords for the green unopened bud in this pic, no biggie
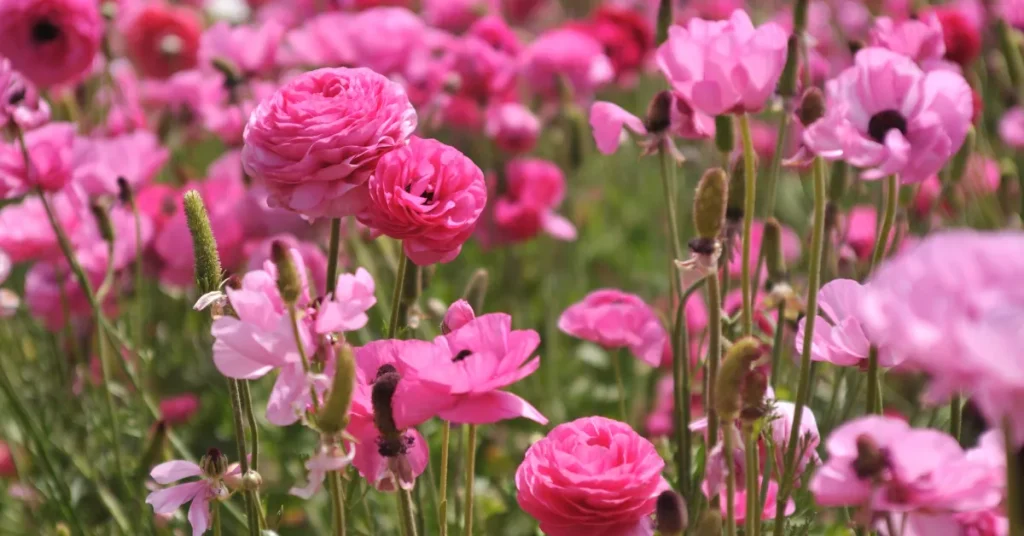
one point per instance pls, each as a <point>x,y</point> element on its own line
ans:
<point>812,106</point>
<point>99,212</point>
<point>737,191</point>
<point>710,523</point>
<point>664,21</point>
<point>289,284</point>
<point>659,112</point>
<point>787,82</point>
<point>204,245</point>
<point>670,510</point>
<point>476,290</point>
<point>709,203</point>
<point>333,416</point>
<point>731,375</point>
<point>773,257</point>
<point>214,463</point>
<point>959,164</point>
<point>725,138</point>
<point>252,481</point>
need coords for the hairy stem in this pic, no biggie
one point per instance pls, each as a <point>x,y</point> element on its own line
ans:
<point>442,514</point>
<point>749,195</point>
<point>470,475</point>
<point>730,480</point>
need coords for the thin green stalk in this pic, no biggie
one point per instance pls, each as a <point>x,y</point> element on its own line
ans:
<point>254,431</point>
<point>803,390</point>
<point>243,460</point>
<point>777,342</point>
<point>752,470</point>
<point>396,298</point>
<point>140,302</point>
<point>442,511</point>
<point>730,481</point>
<point>1014,493</point>
<point>892,189</point>
<point>616,359</point>
<point>108,397</point>
<point>681,390</point>
<point>302,355</point>
<point>749,194</point>
<point>470,476</point>
<point>668,178</point>
<point>332,253</point>
<point>956,416</point>
<point>874,398</point>
<point>714,354</point>
<point>776,165</point>
<point>216,518</point>
<point>405,510</point>
<point>337,502</point>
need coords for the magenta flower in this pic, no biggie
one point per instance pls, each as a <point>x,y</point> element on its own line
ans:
<point>608,122</point>
<point>839,336</point>
<point>250,49</point>
<point>886,115</point>
<point>569,55</point>
<point>124,100</point>
<point>591,476</point>
<point>179,409</point>
<point>50,150</point>
<point>1011,127</point>
<point>20,104</point>
<point>389,473</point>
<point>430,196</point>
<point>780,425</point>
<point>615,319</point>
<point>210,487</point>
<point>99,162</point>
<point>486,354</point>
<point>457,15</point>
<point>50,41</point>
<point>534,188</point>
<point>790,249</point>
<point>315,143</point>
<point>724,66</point>
<point>771,497</point>
<point>25,231</point>
<point>512,126</point>
<point>918,39</point>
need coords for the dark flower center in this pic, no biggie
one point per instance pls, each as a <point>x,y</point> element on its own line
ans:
<point>461,355</point>
<point>884,121</point>
<point>386,368</point>
<point>16,96</point>
<point>394,447</point>
<point>44,31</point>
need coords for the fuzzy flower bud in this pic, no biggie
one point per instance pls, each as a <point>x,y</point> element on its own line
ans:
<point>659,113</point>
<point>755,386</point>
<point>671,513</point>
<point>289,284</point>
<point>774,259</point>
<point>214,463</point>
<point>710,523</point>
<point>333,416</point>
<point>384,387</point>
<point>204,245</point>
<point>732,375</point>
<point>812,106</point>
<point>709,203</point>
<point>252,481</point>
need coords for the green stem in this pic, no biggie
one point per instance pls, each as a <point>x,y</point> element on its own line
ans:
<point>714,355</point>
<point>243,460</point>
<point>1014,493</point>
<point>749,195</point>
<point>470,476</point>
<point>803,390</point>
<point>681,390</point>
<point>776,165</point>
<point>140,302</point>
<point>332,254</point>
<point>396,298</point>
<point>302,355</point>
<point>874,397</point>
<point>668,177</point>
<point>956,416</point>
<point>108,396</point>
<point>405,510</point>
<point>752,470</point>
<point>216,518</point>
<point>620,385</point>
<point>246,399</point>
<point>337,502</point>
<point>892,189</point>
<point>730,481</point>
<point>442,515</point>
<point>777,343</point>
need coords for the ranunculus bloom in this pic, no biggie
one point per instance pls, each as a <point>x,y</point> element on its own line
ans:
<point>566,54</point>
<point>952,306</point>
<point>724,67</point>
<point>591,476</point>
<point>99,162</point>
<point>513,127</point>
<point>429,196</point>
<point>179,409</point>
<point>839,336</point>
<point>250,49</point>
<point>1011,127</point>
<point>780,425</point>
<point>534,189</point>
<point>886,115</point>
<point>961,34</point>
<point>50,150</point>
<point>20,104</point>
<point>123,101</point>
<point>457,15</point>
<point>615,319</point>
<point>315,143</point>
<point>26,233</point>
<point>627,37</point>
<point>50,41</point>
<point>162,39</point>
<point>918,39</point>
<point>227,116</point>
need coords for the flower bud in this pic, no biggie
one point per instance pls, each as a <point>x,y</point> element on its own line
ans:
<point>251,481</point>
<point>214,463</point>
<point>102,221</point>
<point>333,416</point>
<point>288,282</point>
<point>787,81</point>
<point>659,112</point>
<point>476,289</point>
<point>725,138</point>
<point>731,376</point>
<point>671,513</point>
<point>774,259</point>
<point>737,191</point>
<point>459,314</point>
<point>812,106</point>
<point>710,523</point>
<point>709,203</point>
<point>207,260</point>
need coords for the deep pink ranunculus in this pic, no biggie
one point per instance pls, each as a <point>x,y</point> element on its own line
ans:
<point>566,55</point>
<point>627,37</point>
<point>20,104</point>
<point>259,252</point>
<point>26,233</point>
<point>429,196</point>
<point>50,150</point>
<point>162,39</point>
<point>918,39</point>
<point>839,337</point>
<point>534,189</point>
<point>252,49</point>
<point>316,141</point>
<point>592,476</point>
<point>179,409</point>
<point>457,15</point>
<point>616,319</point>
<point>513,127</point>
<point>100,162</point>
<point>458,314</point>
<point>50,41</point>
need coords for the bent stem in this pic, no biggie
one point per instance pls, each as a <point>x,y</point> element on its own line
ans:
<point>804,388</point>
<point>749,195</point>
<point>332,252</point>
<point>404,498</point>
<point>470,474</point>
<point>956,416</point>
<point>442,510</point>
<point>620,385</point>
<point>892,192</point>
<point>730,481</point>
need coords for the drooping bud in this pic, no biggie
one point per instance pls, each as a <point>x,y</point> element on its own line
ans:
<point>204,246</point>
<point>381,397</point>
<point>214,463</point>
<point>787,82</point>
<point>725,138</point>
<point>731,376</point>
<point>710,523</point>
<point>737,191</point>
<point>99,212</point>
<point>774,259</point>
<point>288,282</point>
<point>659,112</point>
<point>333,417</point>
<point>709,203</point>
<point>252,481</point>
<point>871,460</point>
<point>476,289</point>
<point>959,163</point>
<point>812,106</point>
<point>124,192</point>
<point>670,510</point>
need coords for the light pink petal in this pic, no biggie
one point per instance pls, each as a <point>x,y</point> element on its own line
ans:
<point>558,226</point>
<point>174,470</point>
<point>607,120</point>
<point>167,500</point>
<point>199,514</point>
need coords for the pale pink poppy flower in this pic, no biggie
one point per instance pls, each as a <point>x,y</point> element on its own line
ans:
<point>591,476</point>
<point>487,355</point>
<point>50,150</point>
<point>252,49</point>
<point>429,196</point>
<point>320,41</point>
<point>20,104</point>
<point>608,121</point>
<point>100,162</point>
<point>210,487</point>
<point>534,188</point>
<point>839,336</point>
<point>909,469</point>
<point>50,41</point>
<point>179,409</point>
<point>724,67</point>
<point>457,15</point>
<point>512,126</point>
<point>790,249</point>
<point>259,252</point>
<point>918,39</point>
<point>316,141</point>
<point>458,314</point>
<point>1011,127</point>
<point>616,319</point>
<point>327,458</point>
<point>886,115</point>
<point>569,55</point>
<point>25,231</point>
<point>345,309</point>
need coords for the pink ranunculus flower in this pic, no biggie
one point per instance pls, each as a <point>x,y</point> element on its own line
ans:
<point>591,476</point>
<point>50,150</point>
<point>49,285</point>
<point>259,252</point>
<point>50,41</point>
<point>320,41</point>
<point>952,307</point>
<point>839,336</point>
<point>124,100</point>
<point>513,127</point>
<point>316,141</point>
<point>252,49</point>
<point>179,409</point>
<point>458,314</point>
<point>430,196</point>
<point>918,39</point>
<point>569,55</point>
<point>771,497</point>
<point>487,355</point>
<point>616,319</point>
<point>608,121</point>
<point>724,66</point>
<point>884,464</point>
<point>387,39</point>
<point>210,487</point>
<point>20,104</point>
<point>888,116</point>
<point>534,189</point>
<point>484,68</point>
<point>790,248</point>
<point>100,162</point>
<point>1011,127</point>
<point>457,15</point>
<point>26,233</point>
<point>227,115</point>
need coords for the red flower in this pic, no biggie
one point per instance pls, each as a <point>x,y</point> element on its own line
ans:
<point>163,39</point>
<point>963,40</point>
<point>627,38</point>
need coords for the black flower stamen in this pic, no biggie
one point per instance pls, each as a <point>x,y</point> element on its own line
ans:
<point>461,355</point>
<point>884,121</point>
<point>44,31</point>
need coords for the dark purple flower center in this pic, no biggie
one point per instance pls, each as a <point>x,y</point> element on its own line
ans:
<point>44,31</point>
<point>392,448</point>
<point>17,96</point>
<point>884,121</point>
<point>461,355</point>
